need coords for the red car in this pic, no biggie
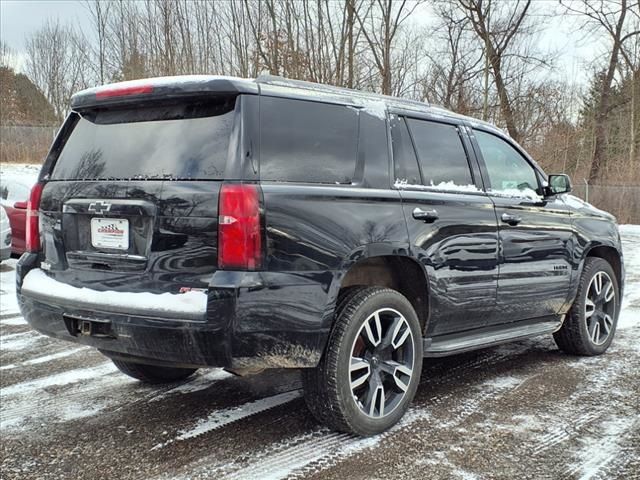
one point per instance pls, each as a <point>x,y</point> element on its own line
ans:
<point>14,194</point>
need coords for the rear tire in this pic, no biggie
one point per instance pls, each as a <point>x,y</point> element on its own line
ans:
<point>152,373</point>
<point>590,325</point>
<point>371,368</point>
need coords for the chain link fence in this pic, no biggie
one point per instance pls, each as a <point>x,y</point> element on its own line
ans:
<point>623,201</point>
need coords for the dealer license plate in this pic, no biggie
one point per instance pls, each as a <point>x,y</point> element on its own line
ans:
<point>110,233</point>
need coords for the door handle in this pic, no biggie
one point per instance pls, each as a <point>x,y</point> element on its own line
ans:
<point>427,216</point>
<point>510,219</point>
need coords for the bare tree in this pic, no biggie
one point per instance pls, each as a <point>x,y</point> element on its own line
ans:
<point>380,22</point>
<point>500,26</point>
<point>56,64</point>
<point>455,62</point>
<point>99,13</point>
<point>614,18</point>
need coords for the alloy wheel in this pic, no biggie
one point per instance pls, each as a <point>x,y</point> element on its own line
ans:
<point>382,361</point>
<point>600,308</point>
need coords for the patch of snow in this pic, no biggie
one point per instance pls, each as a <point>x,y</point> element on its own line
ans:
<point>374,108</point>
<point>503,382</point>
<point>161,82</point>
<point>27,173</point>
<point>220,418</point>
<point>92,389</point>
<point>8,300</point>
<point>598,450</point>
<point>45,358</point>
<point>65,378</point>
<point>628,229</point>
<point>20,341</point>
<point>527,193</point>
<point>449,186</point>
<point>190,303</point>
<point>13,322</point>
<point>200,381</point>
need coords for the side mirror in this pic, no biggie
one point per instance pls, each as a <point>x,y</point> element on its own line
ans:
<point>20,205</point>
<point>558,184</point>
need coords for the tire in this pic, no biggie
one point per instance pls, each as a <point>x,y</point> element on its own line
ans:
<point>391,369</point>
<point>579,334</point>
<point>152,373</point>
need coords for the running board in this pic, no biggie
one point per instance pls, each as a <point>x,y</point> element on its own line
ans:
<point>488,337</point>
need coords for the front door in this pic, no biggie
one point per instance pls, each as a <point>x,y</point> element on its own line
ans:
<point>451,223</point>
<point>536,237</point>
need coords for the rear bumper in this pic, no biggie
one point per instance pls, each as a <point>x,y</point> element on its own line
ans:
<point>243,322</point>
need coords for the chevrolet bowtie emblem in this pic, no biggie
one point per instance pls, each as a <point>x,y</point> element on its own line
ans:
<point>99,207</point>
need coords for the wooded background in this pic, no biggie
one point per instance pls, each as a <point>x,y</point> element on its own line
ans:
<point>482,58</point>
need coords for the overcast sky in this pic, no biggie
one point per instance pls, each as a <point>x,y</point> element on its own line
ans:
<point>19,18</point>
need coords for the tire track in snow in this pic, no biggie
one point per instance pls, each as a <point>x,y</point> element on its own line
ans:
<point>87,392</point>
<point>315,451</point>
<point>220,418</point>
<point>599,452</point>
<point>595,380</point>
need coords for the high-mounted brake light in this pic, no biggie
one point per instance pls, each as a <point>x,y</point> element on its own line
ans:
<point>110,92</point>
<point>239,227</point>
<point>32,234</point>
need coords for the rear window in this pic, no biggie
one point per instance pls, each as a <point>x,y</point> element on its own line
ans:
<point>307,142</point>
<point>189,141</point>
<point>442,156</point>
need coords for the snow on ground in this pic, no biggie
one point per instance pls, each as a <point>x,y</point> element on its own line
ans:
<point>26,171</point>
<point>521,410</point>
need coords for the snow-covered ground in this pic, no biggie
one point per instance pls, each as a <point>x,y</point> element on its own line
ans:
<point>522,410</point>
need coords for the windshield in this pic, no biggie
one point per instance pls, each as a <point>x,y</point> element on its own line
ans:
<point>161,142</point>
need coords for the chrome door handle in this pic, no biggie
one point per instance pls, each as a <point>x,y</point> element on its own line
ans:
<point>427,216</point>
<point>510,219</point>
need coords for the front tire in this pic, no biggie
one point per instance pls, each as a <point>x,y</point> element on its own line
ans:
<point>591,323</point>
<point>153,374</point>
<point>371,368</point>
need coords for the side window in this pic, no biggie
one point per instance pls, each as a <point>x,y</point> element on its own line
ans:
<point>509,172</point>
<point>443,159</point>
<point>308,142</point>
<point>405,163</point>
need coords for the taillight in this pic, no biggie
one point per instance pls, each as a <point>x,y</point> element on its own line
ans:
<point>123,91</point>
<point>239,229</point>
<point>32,235</point>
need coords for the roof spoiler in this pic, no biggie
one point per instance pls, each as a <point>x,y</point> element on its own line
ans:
<point>161,88</point>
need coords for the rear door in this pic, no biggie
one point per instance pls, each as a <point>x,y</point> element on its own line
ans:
<point>131,202</point>
<point>451,221</point>
<point>536,237</point>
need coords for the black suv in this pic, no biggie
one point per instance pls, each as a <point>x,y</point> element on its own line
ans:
<point>208,221</point>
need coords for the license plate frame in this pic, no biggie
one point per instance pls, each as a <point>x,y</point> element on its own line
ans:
<point>110,233</point>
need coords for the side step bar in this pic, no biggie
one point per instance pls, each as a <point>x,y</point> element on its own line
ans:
<point>489,336</point>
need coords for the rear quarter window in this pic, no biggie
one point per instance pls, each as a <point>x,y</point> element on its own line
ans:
<point>307,142</point>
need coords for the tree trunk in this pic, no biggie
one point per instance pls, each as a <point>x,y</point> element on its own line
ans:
<point>505,103</point>
<point>634,141</point>
<point>600,128</point>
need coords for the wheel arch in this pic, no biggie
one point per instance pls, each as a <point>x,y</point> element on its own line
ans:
<point>398,272</point>
<point>611,255</point>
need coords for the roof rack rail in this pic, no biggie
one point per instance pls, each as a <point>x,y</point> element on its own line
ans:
<point>277,80</point>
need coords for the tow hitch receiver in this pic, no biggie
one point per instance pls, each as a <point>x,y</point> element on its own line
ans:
<point>83,326</point>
